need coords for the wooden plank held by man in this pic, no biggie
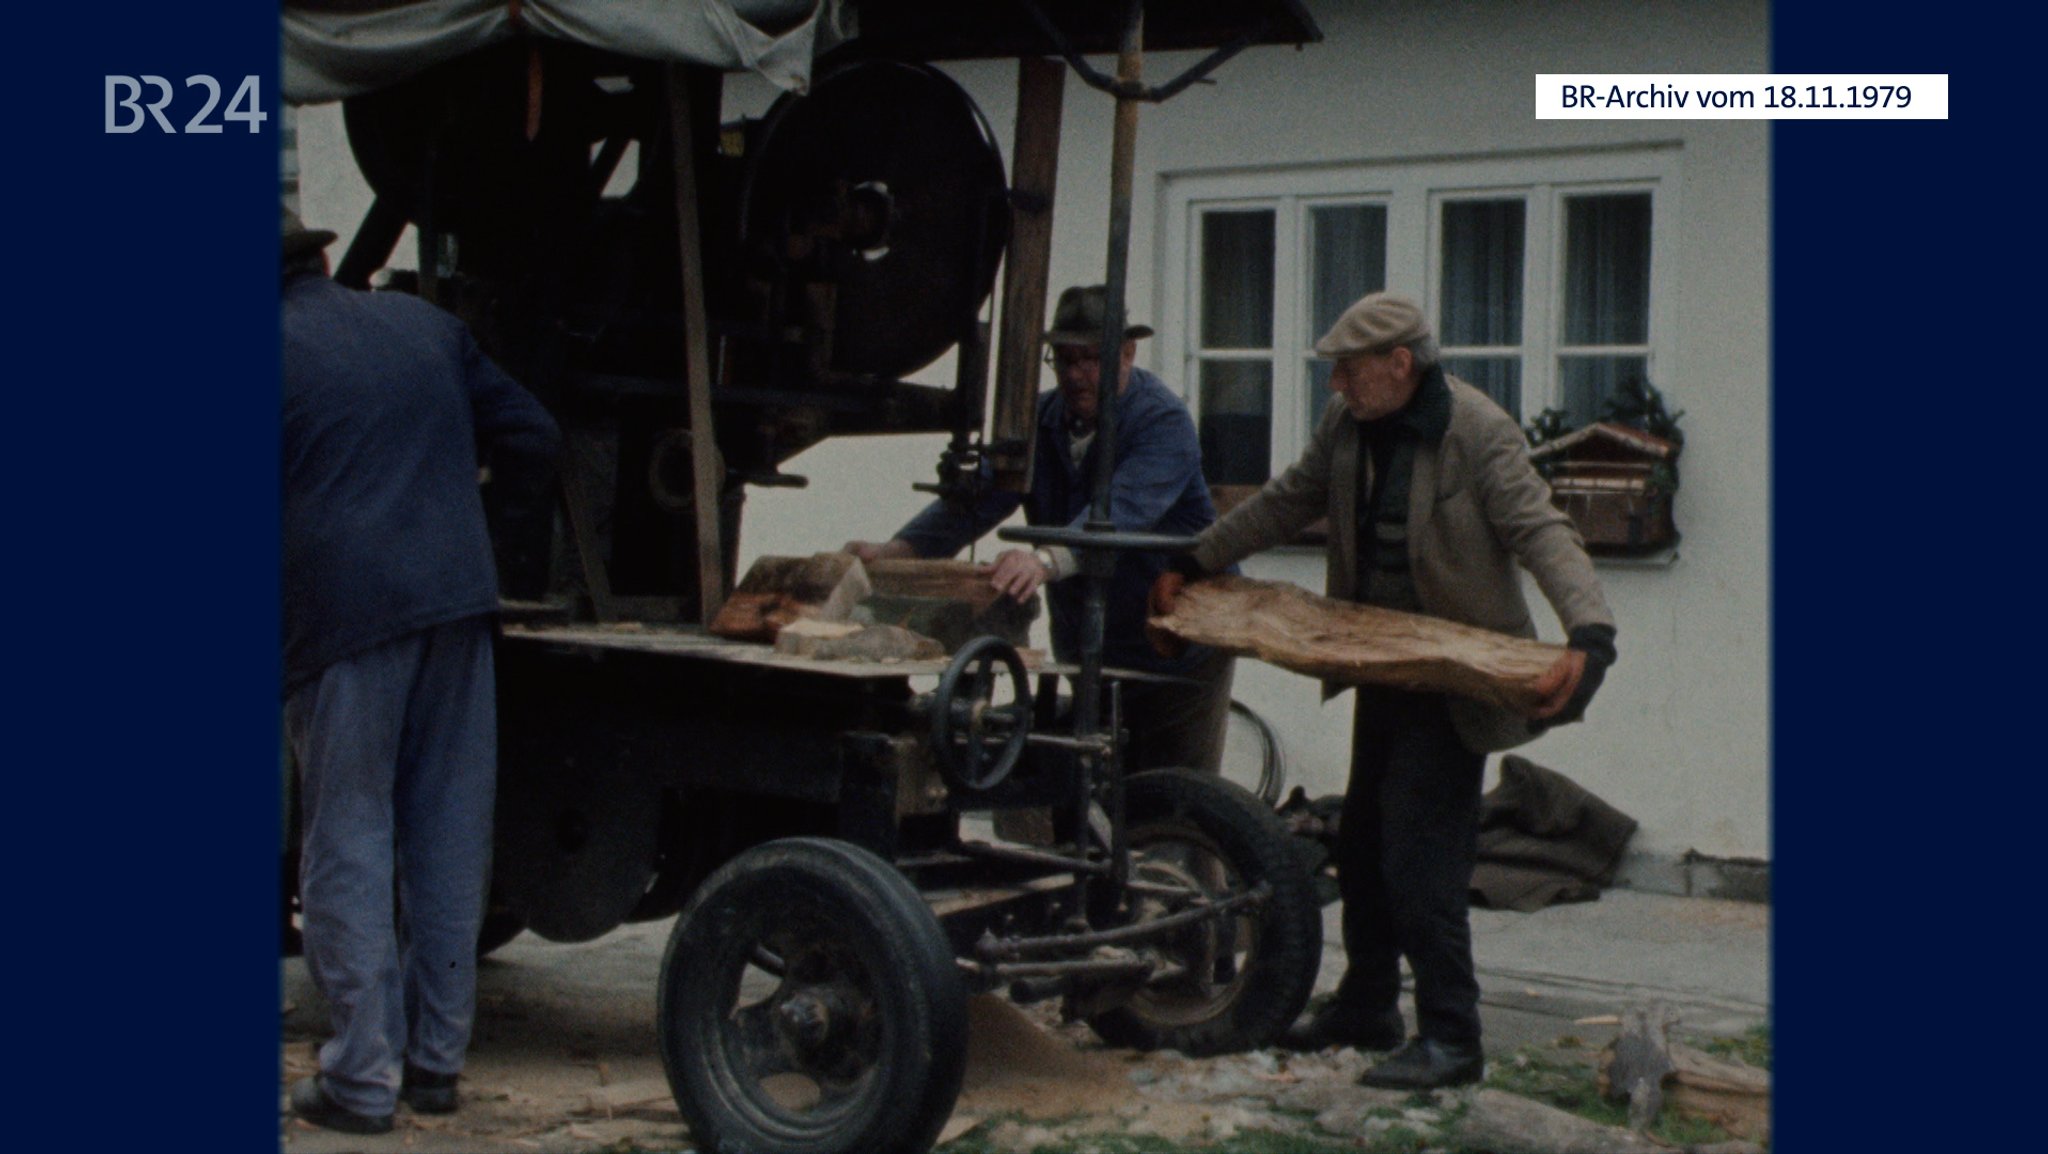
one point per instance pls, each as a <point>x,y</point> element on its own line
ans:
<point>1343,641</point>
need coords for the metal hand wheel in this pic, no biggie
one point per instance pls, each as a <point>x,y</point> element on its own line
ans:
<point>975,740</point>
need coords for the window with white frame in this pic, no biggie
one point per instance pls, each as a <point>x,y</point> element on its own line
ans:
<point>1541,276</point>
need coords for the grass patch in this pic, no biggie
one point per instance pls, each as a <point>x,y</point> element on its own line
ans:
<point>1570,1082</point>
<point>1752,1046</point>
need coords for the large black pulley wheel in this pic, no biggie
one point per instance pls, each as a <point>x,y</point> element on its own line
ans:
<point>891,166</point>
<point>1228,983</point>
<point>809,1004</point>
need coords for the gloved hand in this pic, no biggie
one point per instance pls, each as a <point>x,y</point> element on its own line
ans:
<point>1181,568</point>
<point>1592,650</point>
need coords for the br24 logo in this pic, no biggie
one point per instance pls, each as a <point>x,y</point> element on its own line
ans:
<point>127,111</point>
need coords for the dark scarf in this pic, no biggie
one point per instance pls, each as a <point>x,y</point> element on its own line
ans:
<point>1390,444</point>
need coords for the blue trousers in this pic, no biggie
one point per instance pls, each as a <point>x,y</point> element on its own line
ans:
<point>397,753</point>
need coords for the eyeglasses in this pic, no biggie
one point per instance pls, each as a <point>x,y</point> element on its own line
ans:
<point>1066,356</point>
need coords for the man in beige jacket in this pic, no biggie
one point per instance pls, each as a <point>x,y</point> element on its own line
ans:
<point>1431,501</point>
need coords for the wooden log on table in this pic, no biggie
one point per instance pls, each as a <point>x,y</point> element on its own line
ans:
<point>847,641</point>
<point>779,590</point>
<point>962,581</point>
<point>1285,625</point>
<point>949,601</point>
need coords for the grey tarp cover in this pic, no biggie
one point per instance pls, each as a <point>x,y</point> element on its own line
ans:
<point>1543,838</point>
<point>338,48</point>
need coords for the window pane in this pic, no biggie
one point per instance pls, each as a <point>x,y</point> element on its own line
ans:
<point>1497,377</point>
<point>1237,422</point>
<point>1237,279</point>
<point>1347,259</point>
<point>1587,382</point>
<point>1482,273</point>
<point>1607,269</point>
<point>1319,394</point>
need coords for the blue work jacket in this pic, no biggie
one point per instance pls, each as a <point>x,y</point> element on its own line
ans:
<point>389,409</point>
<point>1157,487</point>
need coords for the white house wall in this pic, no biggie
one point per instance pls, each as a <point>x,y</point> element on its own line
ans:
<point>1679,737</point>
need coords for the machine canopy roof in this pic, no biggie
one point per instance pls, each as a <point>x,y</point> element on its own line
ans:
<point>338,48</point>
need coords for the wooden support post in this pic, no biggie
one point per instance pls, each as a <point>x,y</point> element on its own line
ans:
<point>1041,87</point>
<point>707,466</point>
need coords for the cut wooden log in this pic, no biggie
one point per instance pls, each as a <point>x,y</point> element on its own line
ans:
<point>779,590</point>
<point>847,641</point>
<point>963,581</point>
<point>951,602</point>
<point>1733,1095</point>
<point>1285,625</point>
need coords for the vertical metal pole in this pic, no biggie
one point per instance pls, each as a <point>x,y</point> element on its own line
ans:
<point>1099,564</point>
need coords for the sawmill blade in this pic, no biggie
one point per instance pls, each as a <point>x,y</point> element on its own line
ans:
<point>576,841</point>
<point>885,188</point>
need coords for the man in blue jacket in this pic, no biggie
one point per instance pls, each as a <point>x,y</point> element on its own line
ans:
<point>390,589</point>
<point>1156,486</point>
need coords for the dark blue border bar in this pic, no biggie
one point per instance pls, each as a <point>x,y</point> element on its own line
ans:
<point>144,567</point>
<point>1901,417</point>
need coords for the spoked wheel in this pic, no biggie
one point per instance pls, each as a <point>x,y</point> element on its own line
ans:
<point>1232,983</point>
<point>809,1004</point>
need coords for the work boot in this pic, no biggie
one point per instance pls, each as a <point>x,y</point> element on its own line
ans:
<point>1425,1064</point>
<point>427,1092</point>
<point>1341,1024</point>
<point>310,1101</point>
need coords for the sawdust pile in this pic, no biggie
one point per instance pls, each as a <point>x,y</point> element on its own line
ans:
<point>1016,1066</point>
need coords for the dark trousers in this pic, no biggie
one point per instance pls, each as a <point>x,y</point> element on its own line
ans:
<point>1405,849</point>
<point>1180,723</point>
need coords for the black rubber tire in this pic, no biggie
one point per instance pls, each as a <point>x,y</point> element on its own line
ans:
<point>1277,949</point>
<point>848,933</point>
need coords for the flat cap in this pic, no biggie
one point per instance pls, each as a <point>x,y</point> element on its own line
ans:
<point>1079,317</point>
<point>297,240</point>
<point>1378,321</point>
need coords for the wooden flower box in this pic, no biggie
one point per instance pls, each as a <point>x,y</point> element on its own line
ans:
<point>1616,483</point>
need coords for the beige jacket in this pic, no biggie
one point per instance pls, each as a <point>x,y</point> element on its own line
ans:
<point>1476,507</point>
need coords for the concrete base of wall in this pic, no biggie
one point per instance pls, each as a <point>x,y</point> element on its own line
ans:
<point>1696,875</point>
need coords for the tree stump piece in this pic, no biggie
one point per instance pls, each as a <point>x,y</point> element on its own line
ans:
<point>1644,1066</point>
<point>1635,1064</point>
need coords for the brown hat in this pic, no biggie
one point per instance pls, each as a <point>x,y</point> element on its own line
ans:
<point>1078,318</point>
<point>1378,321</point>
<point>298,240</point>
